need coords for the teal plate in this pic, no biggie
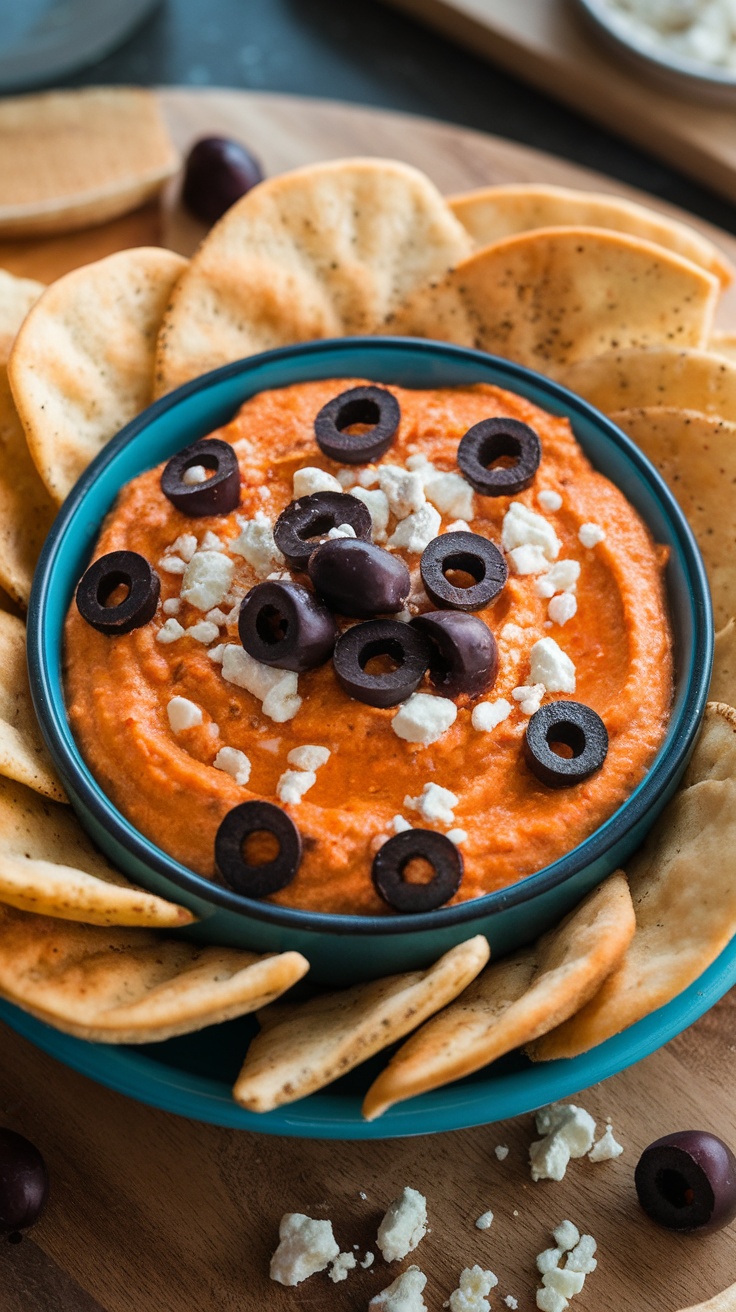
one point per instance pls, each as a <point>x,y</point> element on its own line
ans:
<point>192,1076</point>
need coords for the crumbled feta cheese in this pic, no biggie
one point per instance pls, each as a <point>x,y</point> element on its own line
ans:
<point>203,631</point>
<point>346,478</point>
<point>511,1302</point>
<point>551,666</point>
<point>470,1295</point>
<point>457,836</point>
<point>210,542</point>
<point>185,546</point>
<point>403,488</point>
<point>343,1263</point>
<point>528,559</point>
<point>424,718</point>
<point>549,500</point>
<point>216,653</point>
<point>170,631</point>
<point>305,1247</point>
<point>308,757</point>
<point>501,1152</point>
<point>368,1260</point>
<point>568,1132</point>
<point>216,616</point>
<point>377,503</point>
<point>581,1258</point>
<point>275,689</point>
<point>417,531</point>
<point>233,762</point>
<point>207,579</point>
<point>172,565</point>
<point>367,477</point>
<point>183,714</point>
<point>529,697</point>
<point>420,465</point>
<point>591,534</point>
<point>486,715</point>
<point>194,474</point>
<point>452,495</point>
<point>606,1148</point>
<point>400,825</point>
<point>567,1283</point>
<point>566,1235</point>
<point>458,526</point>
<point>562,608</point>
<point>548,1260</point>
<point>434,804</point>
<point>310,480</point>
<point>403,616</point>
<point>293,784</point>
<point>523,527</point>
<point>404,1225</point>
<point>172,606</point>
<point>255,543</point>
<point>403,1295</point>
<point>562,577</point>
<point>484,1221</point>
<point>342,531</point>
<point>548,1158</point>
<point>548,1300</point>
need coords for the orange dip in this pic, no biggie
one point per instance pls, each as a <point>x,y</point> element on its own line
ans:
<point>118,689</point>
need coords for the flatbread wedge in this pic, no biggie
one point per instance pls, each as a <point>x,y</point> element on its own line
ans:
<point>325,251</point>
<point>683,884</point>
<point>304,1047</point>
<point>725,1301</point>
<point>71,159</point>
<point>48,865</point>
<point>131,985</point>
<point>554,296</point>
<point>17,295</point>
<point>657,375</point>
<point>513,1000</point>
<point>696,456</point>
<point>82,364</point>
<point>23,755</point>
<point>723,680</point>
<point>491,213</point>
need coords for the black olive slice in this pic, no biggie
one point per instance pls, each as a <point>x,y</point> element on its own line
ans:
<point>268,877</point>
<point>491,440</point>
<point>217,495</point>
<point>285,625</point>
<point>24,1182</point>
<point>394,856</point>
<point>466,553</point>
<point>118,569</point>
<point>687,1181</point>
<point>358,578</point>
<point>572,725</point>
<point>359,405</point>
<point>358,647</point>
<point>312,517</point>
<point>463,652</point>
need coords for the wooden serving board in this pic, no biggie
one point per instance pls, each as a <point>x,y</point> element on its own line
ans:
<point>159,1214</point>
<point>550,44</point>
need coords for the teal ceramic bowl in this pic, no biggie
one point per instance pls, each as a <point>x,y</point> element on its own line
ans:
<point>342,949</point>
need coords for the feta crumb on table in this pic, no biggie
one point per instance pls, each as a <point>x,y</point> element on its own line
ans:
<point>403,1226</point>
<point>434,804</point>
<point>484,1221</point>
<point>183,714</point>
<point>486,715</point>
<point>548,1260</point>
<point>607,1148</point>
<point>564,1281</point>
<point>566,1235</point>
<point>343,1263</point>
<point>511,1302</point>
<point>305,1247</point>
<point>368,1260</point>
<point>582,1256</point>
<point>233,762</point>
<point>548,1300</point>
<point>424,718</point>
<point>470,1295</point>
<point>568,1132</point>
<point>501,1151</point>
<point>404,1295</point>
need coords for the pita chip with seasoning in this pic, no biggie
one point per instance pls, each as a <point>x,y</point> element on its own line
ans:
<point>23,755</point>
<point>657,376</point>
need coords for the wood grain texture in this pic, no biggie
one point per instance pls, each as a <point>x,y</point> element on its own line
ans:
<point>152,1213</point>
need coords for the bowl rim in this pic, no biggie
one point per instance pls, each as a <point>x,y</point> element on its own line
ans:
<point>668,762</point>
<point>694,71</point>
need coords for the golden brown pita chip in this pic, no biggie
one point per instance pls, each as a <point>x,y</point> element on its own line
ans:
<point>723,681</point>
<point>131,985</point>
<point>723,343</point>
<point>305,1047</point>
<point>70,159</point>
<point>82,363</point>
<point>48,865</point>
<point>17,295</point>
<point>557,295</point>
<point>23,755</point>
<point>492,213</point>
<point>326,251</point>
<point>658,375</point>
<point>514,1000</point>
<point>696,456</point>
<point>683,884</point>
<point>723,1302</point>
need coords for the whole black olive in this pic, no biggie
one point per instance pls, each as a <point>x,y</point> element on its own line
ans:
<point>218,172</point>
<point>687,1181</point>
<point>358,578</point>
<point>285,625</point>
<point>464,656</point>
<point>24,1182</point>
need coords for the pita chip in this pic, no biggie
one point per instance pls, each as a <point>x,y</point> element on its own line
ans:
<point>513,1000</point>
<point>657,376</point>
<point>17,295</point>
<point>683,885</point>
<point>723,1302</point>
<point>23,755</point>
<point>723,679</point>
<point>723,342</point>
<point>308,1046</point>
<point>131,985</point>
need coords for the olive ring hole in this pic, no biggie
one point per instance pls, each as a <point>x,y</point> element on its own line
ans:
<point>500,451</point>
<point>260,847</point>
<point>566,739</point>
<point>112,584</point>
<point>464,570</point>
<point>316,527</point>
<point>417,870</point>
<point>363,410</point>
<point>675,1188</point>
<point>382,656</point>
<point>271,625</point>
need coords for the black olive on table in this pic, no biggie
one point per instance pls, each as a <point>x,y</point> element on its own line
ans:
<point>491,440</point>
<point>217,495</point>
<point>393,857</point>
<point>466,553</point>
<point>257,880</point>
<point>572,725</point>
<point>285,625</point>
<point>218,171</point>
<point>359,578</point>
<point>117,569</point>
<point>464,655</point>
<point>358,646</point>
<point>24,1182</point>
<point>687,1181</point>
<point>312,517</point>
<point>359,405</point>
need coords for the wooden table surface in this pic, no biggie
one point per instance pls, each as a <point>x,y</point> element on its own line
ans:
<point>153,1213</point>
